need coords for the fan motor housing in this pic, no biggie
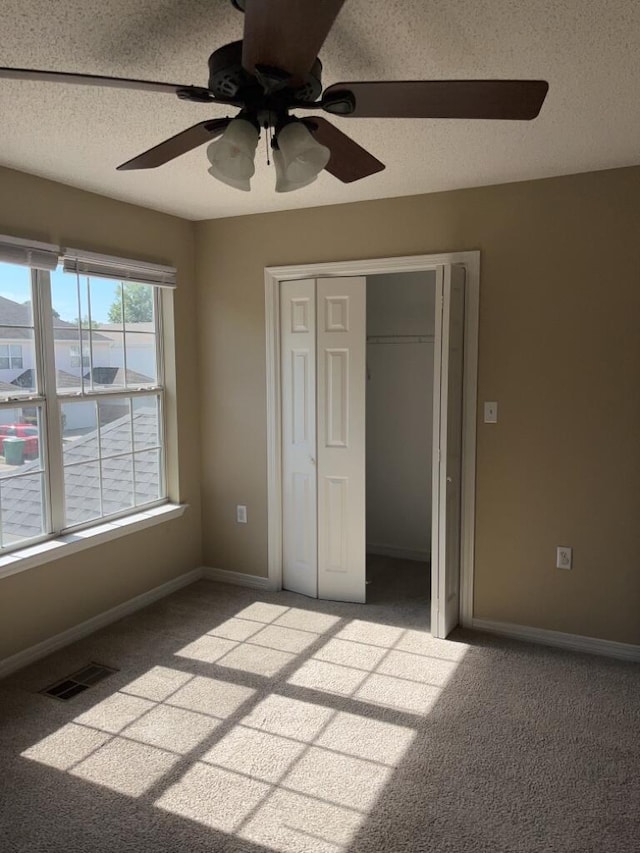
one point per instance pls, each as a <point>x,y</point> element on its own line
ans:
<point>228,79</point>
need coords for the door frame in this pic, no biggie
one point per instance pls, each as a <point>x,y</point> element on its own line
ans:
<point>412,263</point>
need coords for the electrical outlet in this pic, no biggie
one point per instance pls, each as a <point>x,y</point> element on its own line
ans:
<point>564,557</point>
<point>241,514</point>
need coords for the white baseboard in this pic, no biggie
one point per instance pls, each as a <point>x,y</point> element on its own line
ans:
<point>399,553</point>
<point>237,578</point>
<point>575,642</point>
<point>58,641</point>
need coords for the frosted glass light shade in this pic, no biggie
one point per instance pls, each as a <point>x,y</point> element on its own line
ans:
<point>303,158</point>
<point>239,184</point>
<point>282,184</point>
<point>231,156</point>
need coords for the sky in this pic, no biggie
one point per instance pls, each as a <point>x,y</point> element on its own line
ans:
<point>15,284</point>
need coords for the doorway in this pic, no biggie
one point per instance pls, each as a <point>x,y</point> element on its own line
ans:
<point>340,298</point>
<point>399,436</point>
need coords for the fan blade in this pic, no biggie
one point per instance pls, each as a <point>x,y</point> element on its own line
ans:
<point>286,34</point>
<point>349,161</point>
<point>198,92</point>
<point>179,144</point>
<point>489,99</point>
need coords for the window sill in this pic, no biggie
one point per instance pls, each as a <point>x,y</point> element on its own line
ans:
<point>71,543</point>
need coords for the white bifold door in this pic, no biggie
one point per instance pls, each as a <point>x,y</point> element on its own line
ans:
<point>323,381</point>
<point>447,450</point>
<point>323,355</point>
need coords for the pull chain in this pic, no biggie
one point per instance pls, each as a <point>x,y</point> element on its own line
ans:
<point>267,140</point>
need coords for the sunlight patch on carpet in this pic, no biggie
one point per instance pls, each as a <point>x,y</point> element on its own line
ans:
<point>291,776</point>
<point>128,743</point>
<point>286,772</point>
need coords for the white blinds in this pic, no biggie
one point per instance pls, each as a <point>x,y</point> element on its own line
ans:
<point>121,269</point>
<point>28,253</point>
<point>45,256</point>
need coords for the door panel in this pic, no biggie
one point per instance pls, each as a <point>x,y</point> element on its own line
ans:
<point>337,397</point>
<point>336,493</point>
<point>341,438</point>
<point>448,399</point>
<point>299,504</point>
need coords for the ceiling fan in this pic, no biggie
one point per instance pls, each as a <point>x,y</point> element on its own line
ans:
<point>275,70</point>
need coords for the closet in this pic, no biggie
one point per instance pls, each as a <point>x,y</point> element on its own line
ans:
<point>333,500</point>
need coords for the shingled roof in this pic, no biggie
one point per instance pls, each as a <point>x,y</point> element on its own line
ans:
<point>14,314</point>
<point>28,379</point>
<point>104,376</point>
<point>116,376</point>
<point>21,496</point>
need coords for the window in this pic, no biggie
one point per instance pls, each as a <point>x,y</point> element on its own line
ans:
<point>81,426</point>
<point>76,359</point>
<point>10,356</point>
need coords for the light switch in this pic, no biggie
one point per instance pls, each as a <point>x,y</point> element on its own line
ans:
<point>491,413</point>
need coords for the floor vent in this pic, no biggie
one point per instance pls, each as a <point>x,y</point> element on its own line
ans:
<point>78,681</point>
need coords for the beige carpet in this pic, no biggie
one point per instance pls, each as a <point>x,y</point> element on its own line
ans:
<point>242,721</point>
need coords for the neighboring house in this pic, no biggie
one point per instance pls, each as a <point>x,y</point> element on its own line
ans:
<point>17,351</point>
<point>141,345</point>
<point>73,362</point>
<point>72,359</point>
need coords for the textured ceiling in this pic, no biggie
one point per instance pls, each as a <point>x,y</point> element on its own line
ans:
<point>588,50</point>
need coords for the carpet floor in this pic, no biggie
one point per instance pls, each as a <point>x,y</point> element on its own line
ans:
<point>394,581</point>
<point>250,722</point>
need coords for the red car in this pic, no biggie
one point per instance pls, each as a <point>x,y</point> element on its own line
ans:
<point>25,431</point>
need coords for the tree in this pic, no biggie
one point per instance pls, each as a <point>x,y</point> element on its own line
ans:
<point>85,323</point>
<point>138,305</point>
<point>53,310</point>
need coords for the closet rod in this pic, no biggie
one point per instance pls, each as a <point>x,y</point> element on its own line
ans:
<point>400,339</point>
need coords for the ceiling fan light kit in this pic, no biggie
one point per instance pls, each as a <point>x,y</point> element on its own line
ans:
<point>275,70</point>
<point>298,157</point>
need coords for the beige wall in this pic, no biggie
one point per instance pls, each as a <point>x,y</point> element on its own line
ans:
<point>41,602</point>
<point>559,350</point>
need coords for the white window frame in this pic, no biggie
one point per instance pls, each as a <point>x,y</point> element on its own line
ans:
<point>49,400</point>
